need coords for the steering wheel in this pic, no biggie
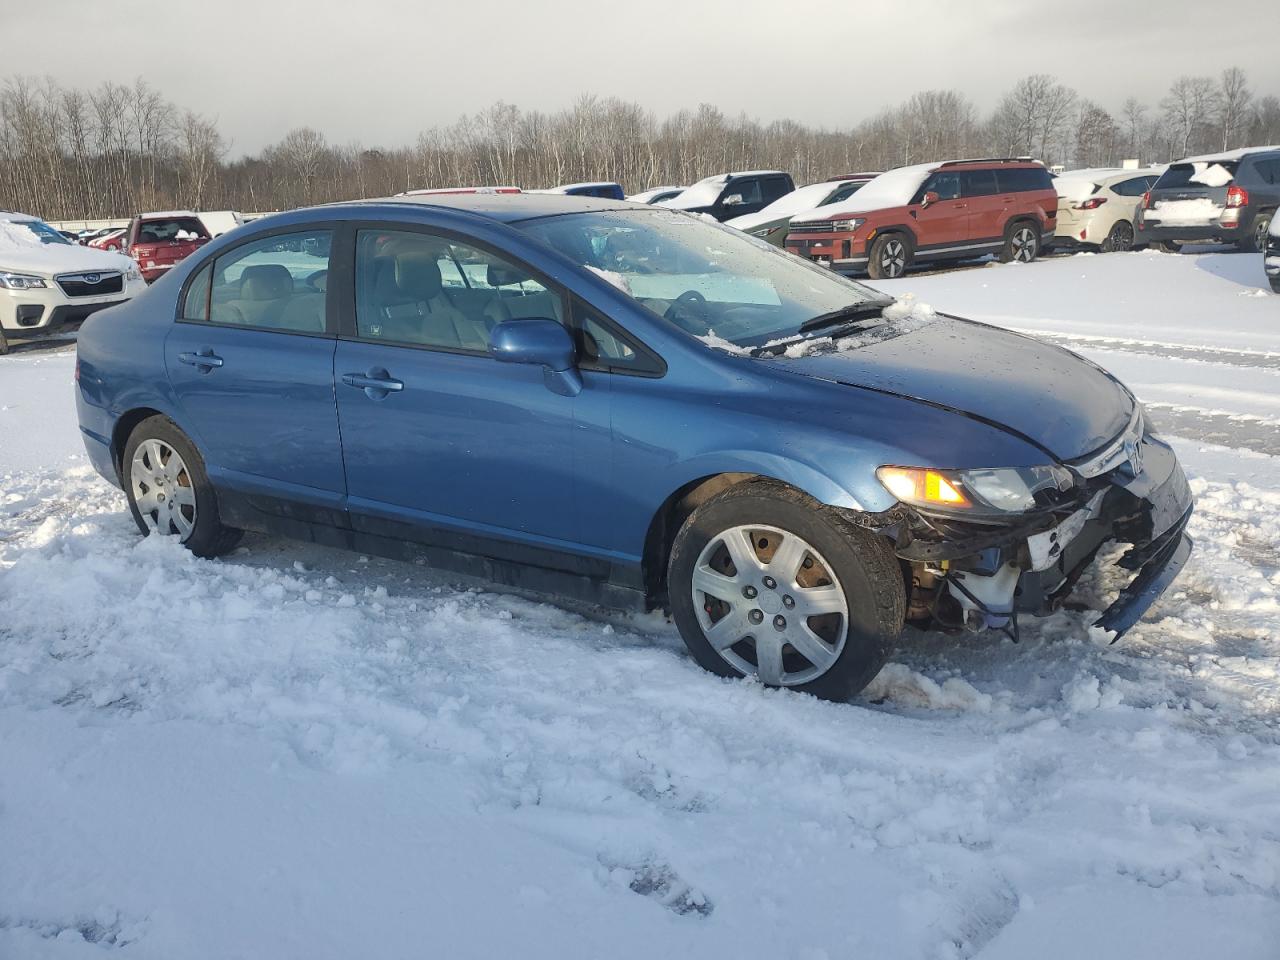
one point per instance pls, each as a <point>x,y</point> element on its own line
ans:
<point>687,312</point>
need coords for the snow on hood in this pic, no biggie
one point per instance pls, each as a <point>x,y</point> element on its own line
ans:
<point>892,189</point>
<point>22,252</point>
<point>702,194</point>
<point>797,201</point>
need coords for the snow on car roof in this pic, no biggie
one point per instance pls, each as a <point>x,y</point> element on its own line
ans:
<point>1227,155</point>
<point>12,216</point>
<point>892,189</point>
<point>1076,185</point>
<point>707,190</point>
<point>166,214</point>
<point>586,183</point>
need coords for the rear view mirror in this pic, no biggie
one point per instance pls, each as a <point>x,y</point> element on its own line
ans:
<point>929,197</point>
<point>545,343</point>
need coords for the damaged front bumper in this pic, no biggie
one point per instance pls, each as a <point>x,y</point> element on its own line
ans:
<point>980,576</point>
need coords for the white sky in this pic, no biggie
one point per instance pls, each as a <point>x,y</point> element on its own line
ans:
<point>378,71</point>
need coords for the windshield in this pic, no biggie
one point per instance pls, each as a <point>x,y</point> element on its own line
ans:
<point>44,232</point>
<point>704,278</point>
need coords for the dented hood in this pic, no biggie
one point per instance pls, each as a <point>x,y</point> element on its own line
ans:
<point>1060,402</point>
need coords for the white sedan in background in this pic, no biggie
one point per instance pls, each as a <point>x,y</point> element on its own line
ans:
<point>772,223</point>
<point>46,281</point>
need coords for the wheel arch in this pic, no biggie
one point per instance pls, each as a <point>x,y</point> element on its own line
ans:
<point>688,496</point>
<point>124,426</point>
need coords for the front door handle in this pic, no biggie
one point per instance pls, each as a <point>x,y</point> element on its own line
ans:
<point>376,383</point>
<point>206,361</point>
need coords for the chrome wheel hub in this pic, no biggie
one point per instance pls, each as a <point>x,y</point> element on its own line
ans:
<point>1024,245</point>
<point>162,489</point>
<point>770,605</point>
<point>894,259</point>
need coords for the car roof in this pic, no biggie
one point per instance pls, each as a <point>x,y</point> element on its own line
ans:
<point>1229,154</point>
<point>166,214</point>
<point>12,216</point>
<point>505,207</point>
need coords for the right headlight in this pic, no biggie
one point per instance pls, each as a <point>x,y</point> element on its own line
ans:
<point>20,281</point>
<point>988,491</point>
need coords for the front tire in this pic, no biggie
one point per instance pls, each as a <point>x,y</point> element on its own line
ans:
<point>169,492</point>
<point>1021,243</point>
<point>889,257</point>
<point>766,582</point>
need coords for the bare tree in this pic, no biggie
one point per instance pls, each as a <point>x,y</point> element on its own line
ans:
<point>1187,109</point>
<point>1233,102</point>
<point>200,150</point>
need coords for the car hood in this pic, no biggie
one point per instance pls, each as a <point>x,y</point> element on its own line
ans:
<point>47,259</point>
<point>1062,403</point>
<point>752,221</point>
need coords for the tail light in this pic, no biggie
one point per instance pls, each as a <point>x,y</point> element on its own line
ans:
<point>1093,203</point>
<point>1146,200</point>
<point>1237,196</point>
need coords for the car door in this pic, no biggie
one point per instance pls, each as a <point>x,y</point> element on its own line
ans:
<point>443,443</point>
<point>988,210</point>
<point>250,361</point>
<point>944,224</point>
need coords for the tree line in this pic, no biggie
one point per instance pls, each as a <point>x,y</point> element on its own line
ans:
<point>118,149</point>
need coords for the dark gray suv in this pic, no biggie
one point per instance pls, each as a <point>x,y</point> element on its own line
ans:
<point>1226,197</point>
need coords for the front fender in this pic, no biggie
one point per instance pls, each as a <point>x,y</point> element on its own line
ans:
<point>822,487</point>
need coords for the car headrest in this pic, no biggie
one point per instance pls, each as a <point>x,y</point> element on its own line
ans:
<point>418,275</point>
<point>266,281</point>
<point>500,275</point>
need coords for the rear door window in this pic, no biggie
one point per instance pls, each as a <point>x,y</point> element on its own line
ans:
<point>276,283</point>
<point>774,188</point>
<point>978,183</point>
<point>1135,187</point>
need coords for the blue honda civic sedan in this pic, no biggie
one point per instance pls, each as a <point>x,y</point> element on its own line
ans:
<point>634,407</point>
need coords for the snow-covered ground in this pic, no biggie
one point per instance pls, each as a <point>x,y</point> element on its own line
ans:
<point>296,752</point>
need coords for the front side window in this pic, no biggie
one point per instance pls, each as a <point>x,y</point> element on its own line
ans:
<point>748,190</point>
<point>276,283</point>
<point>945,185</point>
<point>699,276</point>
<point>424,290</point>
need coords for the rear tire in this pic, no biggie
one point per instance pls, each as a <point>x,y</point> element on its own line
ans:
<point>825,628</point>
<point>1021,243</point>
<point>889,258</point>
<point>1257,241</point>
<point>173,496</point>
<point>1120,238</point>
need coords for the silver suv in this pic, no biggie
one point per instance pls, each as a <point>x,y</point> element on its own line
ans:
<point>1226,197</point>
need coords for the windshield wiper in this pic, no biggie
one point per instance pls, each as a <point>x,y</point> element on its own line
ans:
<point>862,310</point>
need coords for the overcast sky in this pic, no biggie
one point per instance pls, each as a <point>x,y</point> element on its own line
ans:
<point>378,71</point>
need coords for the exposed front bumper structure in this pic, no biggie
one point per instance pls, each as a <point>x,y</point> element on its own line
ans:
<point>981,576</point>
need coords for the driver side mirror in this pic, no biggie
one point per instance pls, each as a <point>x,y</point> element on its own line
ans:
<point>544,343</point>
<point>733,200</point>
<point>930,197</point>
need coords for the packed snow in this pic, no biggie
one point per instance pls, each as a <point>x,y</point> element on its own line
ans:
<point>298,752</point>
<point>1198,210</point>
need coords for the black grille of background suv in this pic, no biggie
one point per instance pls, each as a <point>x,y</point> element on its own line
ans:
<point>76,285</point>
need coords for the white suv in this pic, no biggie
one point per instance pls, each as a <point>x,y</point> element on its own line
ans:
<point>47,281</point>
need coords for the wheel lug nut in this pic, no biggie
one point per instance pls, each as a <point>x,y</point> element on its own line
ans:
<point>788,601</point>
<point>780,622</point>
<point>749,592</point>
<point>770,582</point>
<point>755,616</point>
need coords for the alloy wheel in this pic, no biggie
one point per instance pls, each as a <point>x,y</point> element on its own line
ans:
<point>893,259</point>
<point>1024,244</point>
<point>770,605</point>
<point>162,489</point>
<point>1122,237</point>
<point>1261,229</point>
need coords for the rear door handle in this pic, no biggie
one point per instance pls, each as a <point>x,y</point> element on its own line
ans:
<point>376,383</point>
<point>206,360</point>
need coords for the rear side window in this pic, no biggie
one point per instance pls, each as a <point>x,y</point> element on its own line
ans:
<point>1018,179</point>
<point>774,188</point>
<point>195,305</point>
<point>173,228</point>
<point>1269,170</point>
<point>1130,188</point>
<point>978,183</point>
<point>276,283</point>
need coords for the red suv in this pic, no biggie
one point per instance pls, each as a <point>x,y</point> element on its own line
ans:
<point>157,241</point>
<point>933,211</point>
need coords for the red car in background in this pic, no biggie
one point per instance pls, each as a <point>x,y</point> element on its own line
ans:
<point>110,241</point>
<point>157,241</point>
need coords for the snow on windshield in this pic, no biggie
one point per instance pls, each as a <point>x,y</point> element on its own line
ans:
<point>28,233</point>
<point>701,194</point>
<point>892,189</point>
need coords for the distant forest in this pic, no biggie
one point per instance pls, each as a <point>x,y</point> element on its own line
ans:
<point>116,150</point>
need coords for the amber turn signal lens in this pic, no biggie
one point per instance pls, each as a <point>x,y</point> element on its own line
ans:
<point>920,486</point>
